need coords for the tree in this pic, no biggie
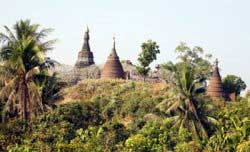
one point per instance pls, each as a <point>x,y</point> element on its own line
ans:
<point>195,57</point>
<point>188,77</point>
<point>185,108</point>
<point>233,84</point>
<point>51,86</point>
<point>23,54</point>
<point>149,51</point>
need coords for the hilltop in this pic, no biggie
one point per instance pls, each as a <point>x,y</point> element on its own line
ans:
<point>126,100</point>
<point>119,115</point>
<point>88,89</point>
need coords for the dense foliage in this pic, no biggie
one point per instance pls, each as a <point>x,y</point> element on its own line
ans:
<point>195,57</point>
<point>23,65</point>
<point>233,84</point>
<point>150,49</point>
<point>124,117</point>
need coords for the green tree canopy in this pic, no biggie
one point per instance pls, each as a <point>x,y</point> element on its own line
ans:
<point>195,57</point>
<point>149,51</point>
<point>233,84</point>
<point>23,54</point>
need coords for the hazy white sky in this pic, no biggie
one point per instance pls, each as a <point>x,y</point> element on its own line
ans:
<point>222,27</point>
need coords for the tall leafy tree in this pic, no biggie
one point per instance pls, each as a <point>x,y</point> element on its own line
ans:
<point>23,54</point>
<point>233,84</point>
<point>195,57</point>
<point>149,51</point>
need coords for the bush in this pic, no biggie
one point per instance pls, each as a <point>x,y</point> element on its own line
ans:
<point>137,143</point>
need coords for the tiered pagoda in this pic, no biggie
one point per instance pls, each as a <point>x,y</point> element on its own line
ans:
<point>85,56</point>
<point>113,68</point>
<point>215,89</point>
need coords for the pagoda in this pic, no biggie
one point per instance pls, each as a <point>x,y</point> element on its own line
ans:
<point>113,68</point>
<point>215,88</point>
<point>85,56</point>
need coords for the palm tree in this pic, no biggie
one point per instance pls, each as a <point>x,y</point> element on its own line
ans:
<point>23,55</point>
<point>184,108</point>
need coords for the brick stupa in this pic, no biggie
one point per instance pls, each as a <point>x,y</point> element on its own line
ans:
<point>215,89</point>
<point>85,56</point>
<point>113,68</point>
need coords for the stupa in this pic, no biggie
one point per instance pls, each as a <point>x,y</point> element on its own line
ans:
<point>85,56</point>
<point>113,68</point>
<point>215,88</point>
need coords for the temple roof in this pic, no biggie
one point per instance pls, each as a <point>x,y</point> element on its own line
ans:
<point>86,46</point>
<point>215,88</point>
<point>113,68</point>
<point>85,56</point>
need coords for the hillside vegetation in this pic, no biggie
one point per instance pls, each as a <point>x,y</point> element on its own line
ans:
<point>119,100</point>
<point>117,115</point>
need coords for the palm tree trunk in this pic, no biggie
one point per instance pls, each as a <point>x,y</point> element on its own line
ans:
<point>24,99</point>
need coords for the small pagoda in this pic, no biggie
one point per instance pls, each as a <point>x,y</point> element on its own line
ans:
<point>215,88</point>
<point>85,56</point>
<point>113,68</point>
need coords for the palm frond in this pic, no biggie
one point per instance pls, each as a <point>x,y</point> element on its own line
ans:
<point>36,97</point>
<point>211,120</point>
<point>43,33</point>
<point>6,90</point>
<point>194,130</point>
<point>4,38</point>
<point>31,73</point>
<point>8,105</point>
<point>173,107</point>
<point>47,46</point>
<point>11,35</point>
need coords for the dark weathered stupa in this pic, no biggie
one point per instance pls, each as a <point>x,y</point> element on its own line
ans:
<point>215,89</point>
<point>85,56</point>
<point>113,68</point>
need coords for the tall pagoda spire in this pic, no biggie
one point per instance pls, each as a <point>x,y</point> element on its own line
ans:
<point>215,88</point>
<point>113,52</point>
<point>85,56</point>
<point>113,68</point>
<point>86,46</point>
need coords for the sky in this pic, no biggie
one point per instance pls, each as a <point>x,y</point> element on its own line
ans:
<point>220,27</point>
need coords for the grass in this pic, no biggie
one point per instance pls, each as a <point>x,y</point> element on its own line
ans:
<point>87,90</point>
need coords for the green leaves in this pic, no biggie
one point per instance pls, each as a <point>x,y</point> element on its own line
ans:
<point>194,57</point>
<point>186,104</point>
<point>233,84</point>
<point>23,54</point>
<point>149,51</point>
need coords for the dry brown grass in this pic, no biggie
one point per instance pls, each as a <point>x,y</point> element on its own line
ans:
<point>88,89</point>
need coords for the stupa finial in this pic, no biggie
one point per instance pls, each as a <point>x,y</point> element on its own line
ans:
<point>113,50</point>
<point>86,34</point>
<point>216,62</point>
<point>87,29</point>
<point>114,41</point>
